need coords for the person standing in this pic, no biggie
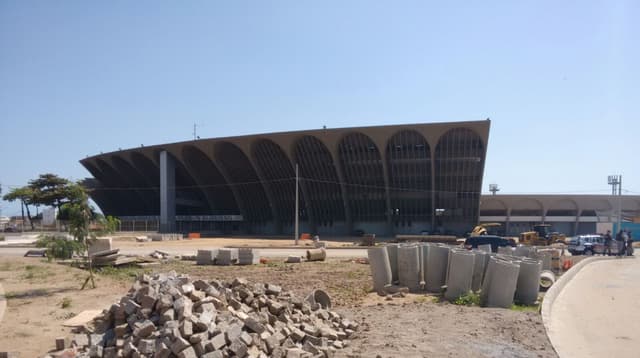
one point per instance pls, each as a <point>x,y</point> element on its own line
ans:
<point>619,243</point>
<point>629,244</point>
<point>607,243</point>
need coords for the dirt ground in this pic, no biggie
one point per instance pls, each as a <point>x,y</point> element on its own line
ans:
<point>413,326</point>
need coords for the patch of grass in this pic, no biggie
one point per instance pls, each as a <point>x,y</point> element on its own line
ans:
<point>33,272</point>
<point>424,299</point>
<point>6,266</point>
<point>1,238</point>
<point>10,295</point>
<point>468,299</point>
<point>126,273</point>
<point>525,308</point>
<point>66,302</point>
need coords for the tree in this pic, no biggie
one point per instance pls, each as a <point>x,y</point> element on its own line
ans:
<point>51,190</point>
<point>25,195</point>
<point>80,217</point>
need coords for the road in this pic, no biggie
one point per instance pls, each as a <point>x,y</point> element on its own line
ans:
<point>271,252</point>
<point>597,314</point>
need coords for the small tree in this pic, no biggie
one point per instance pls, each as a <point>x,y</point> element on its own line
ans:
<point>80,217</point>
<point>26,197</point>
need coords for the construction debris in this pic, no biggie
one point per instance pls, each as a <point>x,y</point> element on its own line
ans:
<point>228,256</point>
<point>165,237</point>
<point>319,254</point>
<point>170,315</point>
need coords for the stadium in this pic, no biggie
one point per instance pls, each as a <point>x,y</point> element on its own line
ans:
<point>386,180</point>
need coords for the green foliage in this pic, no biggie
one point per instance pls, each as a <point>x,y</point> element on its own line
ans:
<point>24,194</point>
<point>468,299</point>
<point>127,273</point>
<point>66,302</point>
<point>33,272</point>
<point>59,247</point>
<point>1,238</point>
<point>51,190</point>
<point>525,308</point>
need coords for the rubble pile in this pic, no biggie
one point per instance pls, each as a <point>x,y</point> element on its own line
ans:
<point>168,315</point>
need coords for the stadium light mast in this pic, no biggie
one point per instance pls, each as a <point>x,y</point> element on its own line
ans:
<point>493,188</point>
<point>616,185</point>
<point>297,216</point>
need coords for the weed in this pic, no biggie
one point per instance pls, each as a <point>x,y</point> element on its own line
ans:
<point>425,299</point>
<point>10,295</point>
<point>468,299</point>
<point>1,238</point>
<point>127,273</point>
<point>5,266</point>
<point>66,302</point>
<point>36,272</point>
<point>525,308</point>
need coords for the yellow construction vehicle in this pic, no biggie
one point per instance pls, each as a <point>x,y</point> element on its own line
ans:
<point>481,229</point>
<point>541,235</point>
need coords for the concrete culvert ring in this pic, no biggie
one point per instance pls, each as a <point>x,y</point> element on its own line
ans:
<point>320,297</point>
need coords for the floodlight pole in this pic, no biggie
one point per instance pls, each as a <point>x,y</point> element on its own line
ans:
<point>297,208</point>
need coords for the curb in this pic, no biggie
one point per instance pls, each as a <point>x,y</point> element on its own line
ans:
<point>551,295</point>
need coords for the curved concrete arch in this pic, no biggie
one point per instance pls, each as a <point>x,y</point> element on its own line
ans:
<point>563,207</point>
<point>150,172</point>
<point>361,163</point>
<point>321,180</point>
<point>493,207</point>
<point>217,190</point>
<point>190,197</point>
<point>135,180</point>
<point>244,177</point>
<point>99,195</point>
<point>279,176</point>
<point>120,189</point>
<point>527,207</point>
<point>408,157</point>
<point>459,163</point>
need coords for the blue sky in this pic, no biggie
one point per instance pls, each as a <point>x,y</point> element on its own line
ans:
<point>560,80</point>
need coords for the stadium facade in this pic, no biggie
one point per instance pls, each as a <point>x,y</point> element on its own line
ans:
<point>385,179</point>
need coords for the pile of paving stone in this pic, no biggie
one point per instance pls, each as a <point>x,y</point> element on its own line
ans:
<point>169,315</point>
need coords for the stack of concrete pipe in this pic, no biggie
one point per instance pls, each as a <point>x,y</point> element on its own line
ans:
<point>437,262</point>
<point>499,285</point>
<point>528,281</point>
<point>424,254</point>
<point>479,268</point>
<point>380,268</point>
<point>505,250</point>
<point>486,248</point>
<point>392,252</point>
<point>409,267</point>
<point>459,273</point>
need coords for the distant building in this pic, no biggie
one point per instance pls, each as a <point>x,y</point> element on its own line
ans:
<point>569,214</point>
<point>385,180</point>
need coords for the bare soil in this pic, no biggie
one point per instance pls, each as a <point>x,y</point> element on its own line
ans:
<point>413,326</point>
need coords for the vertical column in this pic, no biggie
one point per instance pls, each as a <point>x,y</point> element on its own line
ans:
<point>167,192</point>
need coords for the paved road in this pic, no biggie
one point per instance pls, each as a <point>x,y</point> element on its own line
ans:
<point>597,314</point>
<point>142,251</point>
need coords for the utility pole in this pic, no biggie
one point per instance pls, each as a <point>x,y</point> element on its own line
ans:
<point>297,208</point>
<point>616,188</point>
<point>194,131</point>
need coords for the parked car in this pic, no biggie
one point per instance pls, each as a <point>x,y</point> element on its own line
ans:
<point>590,245</point>
<point>495,241</point>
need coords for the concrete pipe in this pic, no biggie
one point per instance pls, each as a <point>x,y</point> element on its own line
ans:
<point>485,248</point>
<point>437,260</point>
<point>409,267</point>
<point>505,250</point>
<point>528,281</point>
<point>380,270</point>
<point>320,297</point>
<point>424,253</point>
<point>459,273</point>
<point>522,251</point>
<point>547,279</point>
<point>545,257</point>
<point>319,254</point>
<point>500,285</point>
<point>479,267</point>
<point>392,251</point>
